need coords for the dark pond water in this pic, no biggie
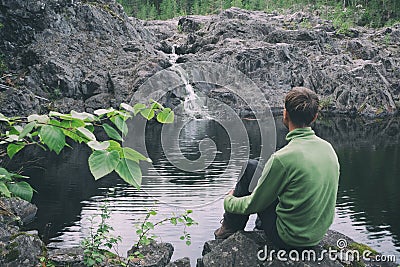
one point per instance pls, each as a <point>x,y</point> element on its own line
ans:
<point>367,205</point>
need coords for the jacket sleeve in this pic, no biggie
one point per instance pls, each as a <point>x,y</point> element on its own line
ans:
<point>268,188</point>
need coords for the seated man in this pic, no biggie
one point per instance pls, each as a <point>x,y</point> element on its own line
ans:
<point>295,197</point>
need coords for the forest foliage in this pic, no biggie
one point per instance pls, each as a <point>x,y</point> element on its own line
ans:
<point>372,13</point>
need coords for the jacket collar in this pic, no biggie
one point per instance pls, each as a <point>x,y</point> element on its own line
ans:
<point>299,133</point>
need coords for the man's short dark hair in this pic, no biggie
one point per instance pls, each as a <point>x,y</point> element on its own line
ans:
<point>302,105</point>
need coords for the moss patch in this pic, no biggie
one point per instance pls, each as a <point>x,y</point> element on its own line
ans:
<point>361,248</point>
<point>12,253</point>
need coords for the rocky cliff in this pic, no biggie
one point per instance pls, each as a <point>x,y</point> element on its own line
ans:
<point>65,54</point>
<point>76,54</point>
<point>353,71</point>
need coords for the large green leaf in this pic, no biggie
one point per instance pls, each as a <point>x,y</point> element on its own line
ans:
<point>72,123</point>
<point>103,162</point>
<point>60,115</point>
<point>96,145</point>
<point>156,105</point>
<point>13,149</point>
<point>130,172</point>
<point>101,111</point>
<point>82,116</point>
<point>73,135</point>
<point>114,145</point>
<point>22,190</point>
<point>27,129</point>
<point>4,190</point>
<point>111,132</point>
<point>4,174</point>
<point>166,116</point>
<point>132,154</point>
<point>121,124</point>
<point>127,107</point>
<point>39,118</point>
<point>88,134</point>
<point>53,137</point>
<point>138,107</point>
<point>148,113</point>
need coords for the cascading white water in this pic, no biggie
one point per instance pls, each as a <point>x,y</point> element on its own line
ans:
<point>193,105</point>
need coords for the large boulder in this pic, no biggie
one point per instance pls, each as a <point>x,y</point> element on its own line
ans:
<point>16,210</point>
<point>254,249</point>
<point>153,255</point>
<point>22,249</point>
<point>18,248</point>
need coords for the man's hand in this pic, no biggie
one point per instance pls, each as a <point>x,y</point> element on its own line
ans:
<point>231,192</point>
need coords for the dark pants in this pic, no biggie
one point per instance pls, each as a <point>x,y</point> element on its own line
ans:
<point>267,216</point>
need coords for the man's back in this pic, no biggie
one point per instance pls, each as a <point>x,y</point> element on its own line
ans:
<point>295,196</point>
<point>307,203</point>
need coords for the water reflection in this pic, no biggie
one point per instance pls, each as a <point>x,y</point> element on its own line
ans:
<point>368,197</point>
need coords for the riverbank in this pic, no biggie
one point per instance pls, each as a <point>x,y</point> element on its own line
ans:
<point>19,248</point>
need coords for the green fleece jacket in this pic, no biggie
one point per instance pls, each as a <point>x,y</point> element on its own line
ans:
<point>304,176</point>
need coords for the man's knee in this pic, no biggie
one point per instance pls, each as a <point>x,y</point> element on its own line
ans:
<point>243,184</point>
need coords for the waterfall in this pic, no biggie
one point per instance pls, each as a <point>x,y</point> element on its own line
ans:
<point>193,105</point>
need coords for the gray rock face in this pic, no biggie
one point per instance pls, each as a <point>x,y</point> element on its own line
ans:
<point>16,209</point>
<point>87,51</point>
<point>184,262</point>
<point>71,257</point>
<point>22,249</point>
<point>254,249</point>
<point>353,73</point>
<point>18,248</point>
<point>86,55</point>
<point>154,255</point>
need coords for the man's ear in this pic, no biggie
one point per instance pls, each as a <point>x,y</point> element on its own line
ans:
<point>285,119</point>
<point>315,118</point>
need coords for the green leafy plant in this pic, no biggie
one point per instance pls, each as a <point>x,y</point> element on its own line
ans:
<point>10,184</point>
<point>45,262</point>
<point>145,237</point>
<point>97,245</point>
<point>55,131</point>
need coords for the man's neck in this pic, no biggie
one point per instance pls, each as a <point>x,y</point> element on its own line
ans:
<point>293,127</point>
